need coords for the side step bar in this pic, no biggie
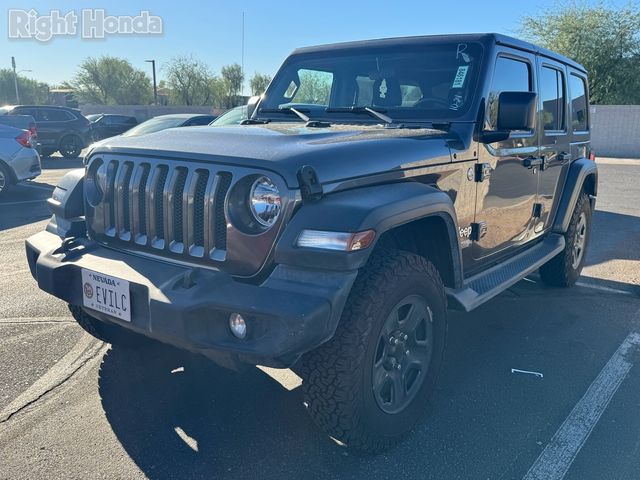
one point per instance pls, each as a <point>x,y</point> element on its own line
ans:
<point>486,285</point>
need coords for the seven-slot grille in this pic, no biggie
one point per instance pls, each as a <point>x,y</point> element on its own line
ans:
<point>176,208</point>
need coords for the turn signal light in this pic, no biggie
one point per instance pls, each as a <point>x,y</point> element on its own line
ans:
<point>342,241</point>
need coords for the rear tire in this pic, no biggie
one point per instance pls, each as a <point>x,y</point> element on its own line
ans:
<point>395,315</point>
<point>103,331</point>
<point>70,146</point>
<point>565,268</point>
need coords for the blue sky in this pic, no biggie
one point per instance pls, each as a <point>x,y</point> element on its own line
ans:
<point>211,30</point>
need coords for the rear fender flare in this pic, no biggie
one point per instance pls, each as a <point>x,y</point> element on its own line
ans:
<point>579,172</point>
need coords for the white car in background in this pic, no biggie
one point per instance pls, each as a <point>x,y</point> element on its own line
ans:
<point>19,160</point>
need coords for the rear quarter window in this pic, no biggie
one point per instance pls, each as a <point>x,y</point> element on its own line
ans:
<point>579,104</point>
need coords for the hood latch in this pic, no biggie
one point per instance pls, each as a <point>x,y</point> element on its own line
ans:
<point>310,186</point>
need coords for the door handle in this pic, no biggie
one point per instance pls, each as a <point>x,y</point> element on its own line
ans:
<point>531,162</point>
<point>564,157</point>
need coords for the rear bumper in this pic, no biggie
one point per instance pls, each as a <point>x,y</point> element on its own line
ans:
<point>291,312</point>
<point>25,164</point>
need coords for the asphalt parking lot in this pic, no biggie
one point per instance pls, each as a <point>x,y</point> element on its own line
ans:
<point>539,383</point>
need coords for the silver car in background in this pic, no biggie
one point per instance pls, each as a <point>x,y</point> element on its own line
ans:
<point>19,160</point>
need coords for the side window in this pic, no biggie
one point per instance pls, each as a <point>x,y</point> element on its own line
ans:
<point>579,110</point>
<point>411,93</point>
<point>553,99</point>
<point>510,75</point>
<point>365,91</point>
<point>314,88</point>
<point>57,115</point>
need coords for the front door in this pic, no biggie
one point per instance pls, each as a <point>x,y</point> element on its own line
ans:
<point>505,200</point>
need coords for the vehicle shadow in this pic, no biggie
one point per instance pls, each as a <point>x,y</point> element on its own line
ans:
<point>202,421</point>
<point>61,163</point>
<point>24,205</point>
<point>614,236</point>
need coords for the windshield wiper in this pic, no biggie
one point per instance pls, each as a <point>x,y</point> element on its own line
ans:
<point>255,121</point>
<point>295,111</point>
<point>368,110</point>
<point>299,114</point>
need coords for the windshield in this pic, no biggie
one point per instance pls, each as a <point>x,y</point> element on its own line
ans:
<point>93,117</point>
<point>154,125</point>
<point>4,110</point>
<point>409,83</point>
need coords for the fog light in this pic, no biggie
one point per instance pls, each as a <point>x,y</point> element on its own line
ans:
<point>237,325</point>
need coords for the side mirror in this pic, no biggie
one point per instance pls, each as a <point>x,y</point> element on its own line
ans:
<point>516,111</point>
<point>252,104</point>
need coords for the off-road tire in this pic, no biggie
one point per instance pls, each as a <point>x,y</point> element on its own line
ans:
<point>560,271</point>
<point>103,331</point>
<point>337,382</point>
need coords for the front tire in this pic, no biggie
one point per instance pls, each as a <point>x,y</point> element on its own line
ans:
<point>369,385</point>
<point>565,268</point>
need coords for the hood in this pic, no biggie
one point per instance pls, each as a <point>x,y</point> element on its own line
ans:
<point>336,153</point>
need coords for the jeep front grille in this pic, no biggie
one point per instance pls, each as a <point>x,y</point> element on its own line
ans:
<point>168,208</point>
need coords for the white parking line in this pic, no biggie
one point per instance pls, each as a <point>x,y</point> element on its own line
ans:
<point>86,349</point>
<point>555,460</point>
<point>603,288</point>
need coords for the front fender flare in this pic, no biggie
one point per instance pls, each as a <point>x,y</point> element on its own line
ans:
<point>378,208</point>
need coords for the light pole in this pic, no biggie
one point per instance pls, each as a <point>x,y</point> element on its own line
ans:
<point>15,78</point>
<point>242,67</point>
<point>155,87</point>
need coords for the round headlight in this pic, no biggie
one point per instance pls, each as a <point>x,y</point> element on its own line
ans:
<point>265,201</point>
<point>101,178</point>
<point>95,183</point>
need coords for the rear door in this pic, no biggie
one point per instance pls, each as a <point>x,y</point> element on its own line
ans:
<point>555,149</point>
<point>505,200</point>
<point>52,125</point>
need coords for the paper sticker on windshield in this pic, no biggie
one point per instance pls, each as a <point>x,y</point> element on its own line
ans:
<point>461,75</point>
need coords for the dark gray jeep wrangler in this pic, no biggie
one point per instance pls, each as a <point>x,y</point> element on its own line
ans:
<point>374,185</point>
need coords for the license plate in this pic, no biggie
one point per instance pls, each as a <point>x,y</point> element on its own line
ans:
<point>106,294</point>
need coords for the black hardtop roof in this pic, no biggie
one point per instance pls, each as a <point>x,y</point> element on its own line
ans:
<point>483,38</point>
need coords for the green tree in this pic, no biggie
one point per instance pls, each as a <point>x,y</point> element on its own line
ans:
<point>603,38</point>
<point>259,83</point>
<point>233,78</point>
<point>31,91</point>
<point>111,81</point>
<point>190,81</point>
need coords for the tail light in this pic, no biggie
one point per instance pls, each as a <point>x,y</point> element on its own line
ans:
<point>592,155</point>
<point>24,139</point>
<point>33,130</point>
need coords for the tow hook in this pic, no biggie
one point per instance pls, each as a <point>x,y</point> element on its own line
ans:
<point>73,247</point>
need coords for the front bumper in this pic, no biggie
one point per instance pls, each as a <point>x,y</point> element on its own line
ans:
<point>291,312</point>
